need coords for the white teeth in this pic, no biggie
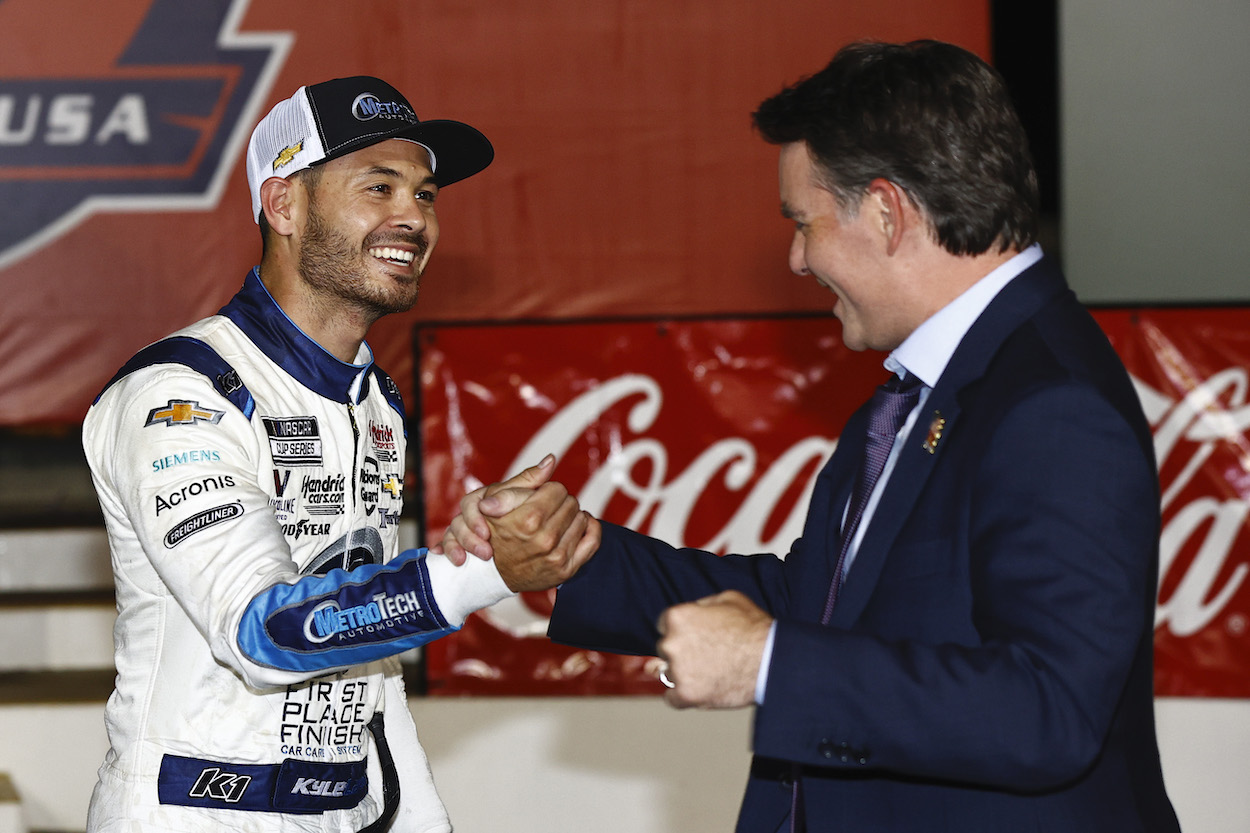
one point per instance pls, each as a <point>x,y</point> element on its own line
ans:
<point>389,253</point>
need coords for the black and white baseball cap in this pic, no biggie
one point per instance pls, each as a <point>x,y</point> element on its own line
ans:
<point>331,119</point>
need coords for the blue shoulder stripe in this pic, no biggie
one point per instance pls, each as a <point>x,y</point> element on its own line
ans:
<point>195,354</point>
<point>391,391</point>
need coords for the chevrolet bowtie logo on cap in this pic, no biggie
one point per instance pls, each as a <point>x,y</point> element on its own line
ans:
<point>287,155</point>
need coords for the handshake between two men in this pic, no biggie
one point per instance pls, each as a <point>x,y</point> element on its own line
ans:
<point>539,538</point>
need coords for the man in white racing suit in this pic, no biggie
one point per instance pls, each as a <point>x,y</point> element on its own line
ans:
<point>250,470</point>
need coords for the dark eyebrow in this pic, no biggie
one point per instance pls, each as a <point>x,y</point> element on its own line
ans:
<point>788,212</point>
<point>383,170</point>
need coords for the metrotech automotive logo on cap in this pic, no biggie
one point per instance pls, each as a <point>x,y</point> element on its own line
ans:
<point>368,106</point>
<point>147,117</point>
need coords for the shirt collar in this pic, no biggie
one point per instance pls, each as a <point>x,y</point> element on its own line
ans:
<point>258,315</point>
<point>926,352</point>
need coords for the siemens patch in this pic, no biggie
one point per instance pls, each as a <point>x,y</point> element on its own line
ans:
<point>195,455</point>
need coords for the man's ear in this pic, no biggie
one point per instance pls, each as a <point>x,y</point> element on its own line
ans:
<point>891,204</point>
<point>280,200</point>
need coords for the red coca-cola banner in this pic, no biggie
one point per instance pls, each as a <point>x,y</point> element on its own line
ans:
<point>1191,368</point>
<point>708,433</point>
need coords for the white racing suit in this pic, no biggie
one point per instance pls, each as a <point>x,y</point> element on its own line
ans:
<point>251,484</point>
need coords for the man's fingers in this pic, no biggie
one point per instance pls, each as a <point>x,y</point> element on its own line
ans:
<point>459,539</point>
<point>674,693</point>
<point>471,519</point>
<point>501,502</point>
<point>576,527</point>
<point>530,478</point>
<point>589,544</point>
<point>470,532</point>
<point>544,516</point>
<point>713,647</point>
<point>578,543</point>
<point>550,531</point>
<point>453,551</point>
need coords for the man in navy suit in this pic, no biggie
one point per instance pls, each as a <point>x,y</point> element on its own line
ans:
<point>967,645</point>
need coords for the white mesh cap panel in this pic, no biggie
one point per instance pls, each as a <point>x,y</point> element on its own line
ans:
<point>286,141</point>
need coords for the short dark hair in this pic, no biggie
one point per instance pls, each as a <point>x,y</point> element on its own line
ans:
<point>930,117</point>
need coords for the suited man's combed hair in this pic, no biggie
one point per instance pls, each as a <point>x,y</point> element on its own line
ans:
<point>928,116</point>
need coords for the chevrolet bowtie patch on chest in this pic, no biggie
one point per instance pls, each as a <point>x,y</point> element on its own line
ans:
<point>936,427</point>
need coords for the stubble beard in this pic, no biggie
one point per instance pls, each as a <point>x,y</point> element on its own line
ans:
<point>337,270</point>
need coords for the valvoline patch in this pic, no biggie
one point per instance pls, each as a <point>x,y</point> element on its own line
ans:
<point>160,129</point>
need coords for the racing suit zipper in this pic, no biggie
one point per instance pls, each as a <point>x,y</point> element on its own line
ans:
<point>390,777</point>
<point>351,416</point>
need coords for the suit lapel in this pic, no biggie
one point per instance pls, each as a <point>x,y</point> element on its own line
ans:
<point>1014,305</point>
<point>911,471</point>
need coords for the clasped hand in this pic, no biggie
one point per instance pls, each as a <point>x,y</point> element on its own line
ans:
<point>535,530</point>
<point>539,538</point>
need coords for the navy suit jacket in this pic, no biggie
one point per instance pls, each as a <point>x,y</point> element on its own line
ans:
<point>988,666</point>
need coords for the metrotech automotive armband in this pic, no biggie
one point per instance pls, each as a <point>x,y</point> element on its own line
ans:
<point>344,618</point>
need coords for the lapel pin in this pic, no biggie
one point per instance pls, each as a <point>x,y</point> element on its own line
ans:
<point>935,432</point>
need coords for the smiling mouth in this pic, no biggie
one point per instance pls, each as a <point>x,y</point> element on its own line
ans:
<point>393,255</point>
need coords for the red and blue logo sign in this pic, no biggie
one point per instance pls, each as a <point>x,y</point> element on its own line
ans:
<point>157,128</point>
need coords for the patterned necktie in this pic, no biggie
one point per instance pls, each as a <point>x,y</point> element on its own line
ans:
<point>891,403</point>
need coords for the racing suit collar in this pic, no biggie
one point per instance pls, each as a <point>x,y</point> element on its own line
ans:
<point>258,315</point>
